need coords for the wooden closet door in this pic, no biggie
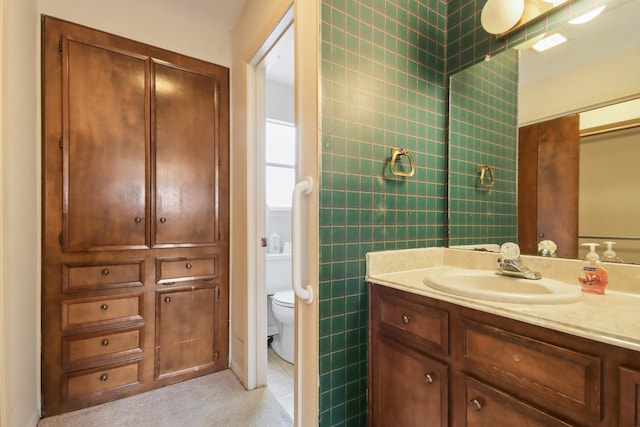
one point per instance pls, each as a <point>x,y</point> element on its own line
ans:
<point>105,147</point>
<point>186,134</point>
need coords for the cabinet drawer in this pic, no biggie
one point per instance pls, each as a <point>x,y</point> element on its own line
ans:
<point>483,405</point>
<point>549,375</point>
<point>427,324</point>
<point>183,269</point>
<point>105,276</point>
<point>83,349</point>
<point>88,383</point>
<point>85,312</point>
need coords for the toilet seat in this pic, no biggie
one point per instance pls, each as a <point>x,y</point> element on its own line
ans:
<point>284,299</point>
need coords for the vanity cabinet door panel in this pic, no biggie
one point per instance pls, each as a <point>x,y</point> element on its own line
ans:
<point>629,397</point>
<point>409,388</point>
<point>185,330</point>
<point>485,406</point>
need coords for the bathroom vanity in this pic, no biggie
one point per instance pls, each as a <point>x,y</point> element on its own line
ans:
<point>443,360</point>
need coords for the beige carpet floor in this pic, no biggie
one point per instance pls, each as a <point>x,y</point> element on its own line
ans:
<point>213,400</point>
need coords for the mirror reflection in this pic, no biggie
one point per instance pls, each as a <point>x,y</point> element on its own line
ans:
<point>598,66</point>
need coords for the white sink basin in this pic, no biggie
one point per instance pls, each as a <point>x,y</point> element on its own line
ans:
<point>487,285</point>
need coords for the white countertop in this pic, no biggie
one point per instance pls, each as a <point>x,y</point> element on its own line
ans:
<point>613,318</point>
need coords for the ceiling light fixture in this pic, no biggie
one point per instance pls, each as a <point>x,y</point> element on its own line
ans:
<point>587,16</point>
<point>549,42</point>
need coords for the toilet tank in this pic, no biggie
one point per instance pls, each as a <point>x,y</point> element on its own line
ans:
<point>278,273</point>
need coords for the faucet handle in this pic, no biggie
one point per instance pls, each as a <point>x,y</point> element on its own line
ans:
<point>510,250</point>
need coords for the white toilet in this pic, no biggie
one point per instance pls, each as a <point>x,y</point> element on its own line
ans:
<point>280,305</point>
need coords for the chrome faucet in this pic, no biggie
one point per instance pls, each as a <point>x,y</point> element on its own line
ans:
<point>515,268</point>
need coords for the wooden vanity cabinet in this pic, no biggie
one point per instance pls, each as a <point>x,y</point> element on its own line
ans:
<point>489,370</point>
<point>135,217</point>
<point>629,397</point>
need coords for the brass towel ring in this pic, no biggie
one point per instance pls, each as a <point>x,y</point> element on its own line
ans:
<point>395,154</point>
<point>487,177</point>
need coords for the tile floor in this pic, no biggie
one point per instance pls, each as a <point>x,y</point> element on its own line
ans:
<point>280,380</point>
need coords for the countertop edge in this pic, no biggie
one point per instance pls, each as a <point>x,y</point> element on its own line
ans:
<point>568,318</point>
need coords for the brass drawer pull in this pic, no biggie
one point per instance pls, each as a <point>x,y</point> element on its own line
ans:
<point>137,220</point>
<point>405,319</point>
<point>163,220</point>
<point>189,266</point>
<point>167,299</point>
<point>105,342</point>
<point>105,272</point>
<point>103,378</point>
<point>104,307</point>
<point>428,379</point>
<point>475,405</point>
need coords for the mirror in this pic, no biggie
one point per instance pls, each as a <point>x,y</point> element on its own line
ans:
<point>484,124</point>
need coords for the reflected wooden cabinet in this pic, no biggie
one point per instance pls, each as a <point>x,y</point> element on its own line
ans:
<point>135,211</point>
<point>439,364</point>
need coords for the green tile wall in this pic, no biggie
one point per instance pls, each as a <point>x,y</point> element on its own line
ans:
<point>483,119</point>
<point>383,86</point>
<point>385,66</point>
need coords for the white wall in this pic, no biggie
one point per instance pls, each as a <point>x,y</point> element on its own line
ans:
<point>609,177</point>
<point>20,213</point>
<point>150,21</point>
<point>583,88</point>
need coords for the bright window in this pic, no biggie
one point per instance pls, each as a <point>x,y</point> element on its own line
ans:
<point>280,157</point>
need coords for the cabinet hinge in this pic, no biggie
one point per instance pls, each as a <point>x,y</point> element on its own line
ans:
<point>60,239</point>
<point>217,87</point>
<point>218,293</point>
<point>60,143</point>
<point>60,47</point>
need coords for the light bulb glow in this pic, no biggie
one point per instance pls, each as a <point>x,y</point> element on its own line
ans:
<point>549,42</point>
<point>587,16</point>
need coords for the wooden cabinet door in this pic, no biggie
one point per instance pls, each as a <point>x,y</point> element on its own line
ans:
<point>186,110</point>
<point>105,145</point>
<point>629,405</point>
<point>185,330</point>
<point>548,184</point>
<point>409,389</point>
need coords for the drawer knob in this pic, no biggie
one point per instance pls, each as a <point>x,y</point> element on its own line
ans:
<point>137,220</point>
<point>405,319</point>
<point>475,405</point>
<point>103,378</point>
<point>189,266</point>
<point>167,299</point>
<point>105,342</point>
<point>104,307</point>
<point>105,271</point>
<point>163,220</point>
<point>428,379</point>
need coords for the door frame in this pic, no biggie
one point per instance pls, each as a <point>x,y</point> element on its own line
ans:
<point>256,26</point>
